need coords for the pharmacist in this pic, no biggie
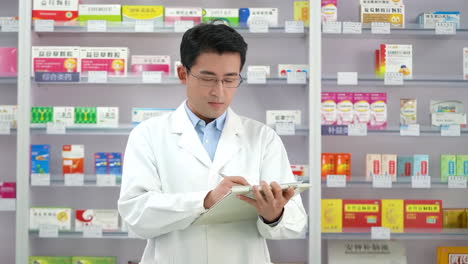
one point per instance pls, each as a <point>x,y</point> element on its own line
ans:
<point>179,165</point>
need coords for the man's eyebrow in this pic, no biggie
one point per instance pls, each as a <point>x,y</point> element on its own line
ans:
<point>212,73</point>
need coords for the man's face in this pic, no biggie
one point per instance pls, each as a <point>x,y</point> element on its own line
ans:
<point>207,102</point>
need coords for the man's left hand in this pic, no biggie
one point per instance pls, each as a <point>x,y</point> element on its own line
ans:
<point>269,202</point>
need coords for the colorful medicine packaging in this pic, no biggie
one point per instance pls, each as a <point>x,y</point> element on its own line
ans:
<point>361,215</point>
<point>151,63</point>
<point>107,219</point>
<point>56,59</point>
<point>430,19</point>
<point>100,163</point>
<point>9,114</point>
<point>448,166</point>
<point>362,111</point>
<point>94,260</point>
<point>373,166</point>
<point>229,16</point>
<point>447,112</point>
<point>49,260</point>
<point>423,214</point>
<point>332,215</point>
<point>143,12</point>
<point>114,163</point>
<point>392,215</point>
<point>63,11</point>
<point>141,114</point>
<point>329,111</point>
<point>301,12</point>
<point>455,218</point>
<point>421,165</point>
<point>396,58</point>
<point>389,166</point>
<point>247,15</point>
<point>113,60</point>
<point>100,12</point>
<point>465,63</point>
<point>329,10</point>
<point>405,166</point>
<point>462,165</point>
<point>408,111</point>
<point>284,69</point>
<point>58,216</point>
<point>40,159</point>
<point>378,111</point>
<point>182,14</point>
<point>345,108</point>
<point>7,190</point>
<point>300,172</point>
<point>73,159</point>
<point>9,59</point>
<point>395,15</point>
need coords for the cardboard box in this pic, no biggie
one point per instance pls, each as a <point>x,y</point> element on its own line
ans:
<point>100,12</point>
<point>94,260</point>
<point>283,69</point>
<point>230,16</point>
<point>141,114</point>
<point>329,110</point>
<point>100,163</point>
<point>361,215</point>
<point>423,214</point>
<point>405,166</point>
<point>373,166</point>
<point>455,218</point>
<point>85,116</point>
<point>452,255</point>
<point>63,11</point>
<point>246,15</point>
<point>107,117</point>
<point>143,12</point>
<point>151,63</point>
<point>421,165</point>
<point>430,19</point>
<point>55,59</point>
<point>408,111</point>
<point>182,14</point>
<point>328,165</point>
<point>108,220</point>
<point>392,215</point>
<point>378,111</point>
<point>397,58</point>
<point>301,172</point>
<point>65,115</point>
<point>9,114</point>
<point>395,15</point>
<point>40,159</point>
<point>343,165</point>
<point>332,215</point>
<point>329,10</point>
<point>462,165</point>
<point>448,167</point>
<point>110,59</point>
<point>73,159</point>
<point>345,108</point>
<point>114,163</point>
<point>41,116</point>
<point>9,59</point>
<point>7,190</point>
<point>49,260</point>
<point>301,12</point>
<point>362,110</point>
<point>59,216</point>
<point>389,166</point>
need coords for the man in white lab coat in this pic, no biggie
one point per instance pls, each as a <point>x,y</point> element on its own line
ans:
<point>179,165</point>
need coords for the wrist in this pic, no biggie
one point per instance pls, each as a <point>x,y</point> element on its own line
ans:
<point>207,201</point>
<point>273,219</point>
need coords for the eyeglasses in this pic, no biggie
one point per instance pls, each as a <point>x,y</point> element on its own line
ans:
<point>208,81</point>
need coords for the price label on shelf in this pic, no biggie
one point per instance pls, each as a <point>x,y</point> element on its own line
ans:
<point>48,231</point>
<point>381,181</point>
<point>144,26</point>
<point>336,181</point>
<point>182,26</point>
<point>347,78</point>
<point>97,25</point>
<point>445,28</point>
<point>393,78</point>
<point>296,78</point>
<point>357,130</point>
<point>258,25</point>
<point>410,130</point>
<point>152,76</point>
<point>74,179</point>
<point>106,180</point>
<point>380,28</point>
<point>97,77</point>
<point>46,25</point>
<point>10,26</point>
<point>5,128</point>
<point>92,231</point>
<point>294,26</point>
<point>285,128</point>
<point>332,27</point>
<point>40,179</point>
<point>450,131</point>
<point>457,182</point>
<point>56,128</point>
<point>352,28</point>
<point>380,233</point>
<point>421,182</point>
<point>256,77</point>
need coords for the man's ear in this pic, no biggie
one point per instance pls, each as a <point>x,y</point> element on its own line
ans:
<point>182,74</point>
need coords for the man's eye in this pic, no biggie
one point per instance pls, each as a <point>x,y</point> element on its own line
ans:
<point>230,80</point>
<point>208,79</point>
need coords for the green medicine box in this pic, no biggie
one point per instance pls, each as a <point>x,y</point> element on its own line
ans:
<point>111,13</point>
<point>230,16</point>
<point>85,115</point>
<point>448,167</point>
<point>42,115</point>
<point>462,165</point>
<point>94,260</point>
<point>49,260</point>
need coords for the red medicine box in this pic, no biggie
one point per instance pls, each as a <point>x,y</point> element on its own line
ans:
<point>423,214</point>
<point>361,215</point>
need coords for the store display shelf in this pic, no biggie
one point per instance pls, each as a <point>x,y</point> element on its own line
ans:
<point>418,80</point>
<point>412,30</point>
<point>80,235</point>
<point>420,234</point>
<point>138,79</point>
<point>90,181</point>
<point>121,130</point>
<point>395,131</point>
<point>401,183</point>
<point>7,205</point>
<point>130,27</point>
<point>8,79</point>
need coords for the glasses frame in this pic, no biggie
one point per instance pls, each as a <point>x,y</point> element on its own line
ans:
<point>241,80</point>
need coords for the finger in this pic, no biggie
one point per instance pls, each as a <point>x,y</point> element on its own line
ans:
<point>258,196</point>
<point>237,180</point>
<point>248,200</point>
<point>267,192</point>
<point>277,191</point>
<point>289,194</point>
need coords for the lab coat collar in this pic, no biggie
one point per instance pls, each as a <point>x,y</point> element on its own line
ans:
<point>228,145</point>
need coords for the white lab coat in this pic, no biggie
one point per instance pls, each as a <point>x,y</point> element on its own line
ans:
<point>167,174</point>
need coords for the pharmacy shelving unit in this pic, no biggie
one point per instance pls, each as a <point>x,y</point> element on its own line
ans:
<point>437,63</point>
<point>8,96</point>
<point>251,100</point>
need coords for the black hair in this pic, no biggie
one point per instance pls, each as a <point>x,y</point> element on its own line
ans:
<point>217,38</point>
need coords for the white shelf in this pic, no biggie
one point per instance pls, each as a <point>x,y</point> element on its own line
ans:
<point>7,205</point>
<point>401,183</point>
<point>418,80</point>
<point>79,235</point>
<point>57,181</point>
<point>395,131</point>
<point>8,80</point>
<point>444,234</point>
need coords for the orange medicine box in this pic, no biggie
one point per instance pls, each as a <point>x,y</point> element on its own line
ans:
<point>343,164</point>
<point>361,215</point>
<point>73,159</point>
<point>328,165</point>
<point>423,214</point>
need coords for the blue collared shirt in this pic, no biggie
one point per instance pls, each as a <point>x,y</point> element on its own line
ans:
<point>210,133</point>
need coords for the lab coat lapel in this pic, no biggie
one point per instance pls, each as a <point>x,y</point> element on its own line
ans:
<point>230,141</point>
<point>189,140</point>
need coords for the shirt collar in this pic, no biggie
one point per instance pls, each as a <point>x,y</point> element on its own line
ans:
<point>219,122</point>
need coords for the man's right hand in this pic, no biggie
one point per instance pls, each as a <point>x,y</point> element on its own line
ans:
<point>222,189</point>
